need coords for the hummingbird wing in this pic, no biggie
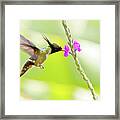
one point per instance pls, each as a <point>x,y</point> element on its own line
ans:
<point>26,66</point>
<point>28,47</point>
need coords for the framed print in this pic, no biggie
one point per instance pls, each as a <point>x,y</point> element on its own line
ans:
<point>59,59</point>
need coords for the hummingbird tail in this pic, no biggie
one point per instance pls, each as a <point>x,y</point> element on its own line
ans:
<point>27,65</point>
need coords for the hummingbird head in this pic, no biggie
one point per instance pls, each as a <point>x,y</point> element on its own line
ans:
<point>54,47</point>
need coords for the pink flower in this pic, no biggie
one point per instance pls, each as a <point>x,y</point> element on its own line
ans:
<point>76,46</point>
<point>66,50</point>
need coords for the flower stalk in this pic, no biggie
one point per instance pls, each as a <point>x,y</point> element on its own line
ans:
<point>78,65</point>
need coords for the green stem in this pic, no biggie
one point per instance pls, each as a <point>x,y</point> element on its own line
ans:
<point>79,67</point>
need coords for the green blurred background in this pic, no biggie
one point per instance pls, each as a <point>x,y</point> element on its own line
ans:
<point>60,80</point>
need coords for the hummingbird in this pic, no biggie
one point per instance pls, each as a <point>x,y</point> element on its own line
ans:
<point>37,56</point>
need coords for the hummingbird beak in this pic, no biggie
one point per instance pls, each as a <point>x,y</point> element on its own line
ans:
<point>62,50</point>
<point>46,39</point>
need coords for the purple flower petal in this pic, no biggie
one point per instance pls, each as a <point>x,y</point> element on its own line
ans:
<point>66,50</point>
<point>76,46</point>
<point>66,54</point>
<point>79,49</point>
